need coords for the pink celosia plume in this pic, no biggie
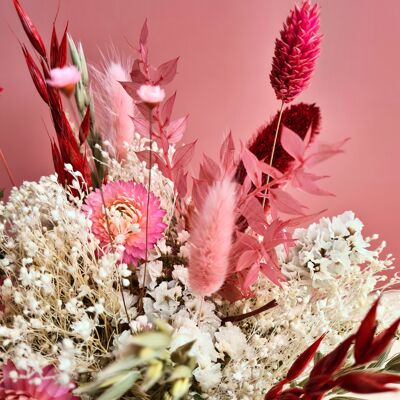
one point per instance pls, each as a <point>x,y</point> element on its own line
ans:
<point>116,105</point>
<point>14,385</point>
<point>296,52</point>
<point>211,239</point>
<point>125,217</point>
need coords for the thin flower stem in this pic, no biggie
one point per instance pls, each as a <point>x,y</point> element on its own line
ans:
<point>8,170</point>
<point>147,207</point>
<point>273,150</point>
<point>241,317</point>
<point>108,226</point>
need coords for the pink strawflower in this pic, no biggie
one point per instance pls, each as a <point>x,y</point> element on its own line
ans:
<point>296,52</point>
<point>15,386</point>
<point>211,239</point>
<point>64,78</point>
<point>126,204</point>
<point>150,94</point>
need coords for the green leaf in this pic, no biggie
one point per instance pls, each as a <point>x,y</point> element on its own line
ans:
<point>119,389</point>
<point>180,355</point>
<point>153,340</point>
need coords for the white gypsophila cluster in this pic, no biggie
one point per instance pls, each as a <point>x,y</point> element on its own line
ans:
<point>131,168</point>
<point>60,294</point>
<point>309,304</point>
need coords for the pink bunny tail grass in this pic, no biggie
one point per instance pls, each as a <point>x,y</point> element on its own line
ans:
<point>296,52</point>
<point>211,239</point>
<point>116,105</point>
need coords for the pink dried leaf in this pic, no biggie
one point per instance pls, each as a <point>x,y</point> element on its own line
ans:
<point>175,129</point>
<point>209,170</point>
<point>180,180</point>
<point>246,260</point>
<point>306,182</point>
<point>183,155</point>
<point>167,71</point>
<point>143,53</point>
<point>273,273</point>
<point>141,126</point>
<point>167,108</point>
<point>250,277</point>
<point>156,159</point>
<point>325,151</point>
<point>284,202</point>
<point>252,166</point>
<point>293,144</point>
<point>144,33</point>
<point>252,210</point>
<point>137,76</point>
<point>227,152</point>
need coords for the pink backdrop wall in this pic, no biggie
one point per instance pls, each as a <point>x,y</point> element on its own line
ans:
<point>226,48</point>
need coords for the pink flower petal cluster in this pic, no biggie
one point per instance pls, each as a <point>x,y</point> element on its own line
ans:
<point>41,386</point>
<point>125,217</point>
<point>296,52</point>
<point>151,94</point>
<point>64,78</point>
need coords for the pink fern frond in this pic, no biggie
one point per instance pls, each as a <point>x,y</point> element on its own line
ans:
<point>296,52</point>
<point>211,239</point>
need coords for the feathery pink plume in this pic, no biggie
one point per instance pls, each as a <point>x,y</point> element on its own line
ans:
<point>211,239</point>
<point>296,52</point>
<point>117,107</point>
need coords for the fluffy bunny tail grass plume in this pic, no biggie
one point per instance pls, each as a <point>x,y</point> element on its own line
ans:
<point>116,105</point>
<point>296,52</point>
<point>211,239</point>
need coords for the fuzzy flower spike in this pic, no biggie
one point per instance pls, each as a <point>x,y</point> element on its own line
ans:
<point>126,213</point>
<point>296,52</point>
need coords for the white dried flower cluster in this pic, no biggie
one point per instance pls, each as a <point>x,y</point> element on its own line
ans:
<point>61,295</point>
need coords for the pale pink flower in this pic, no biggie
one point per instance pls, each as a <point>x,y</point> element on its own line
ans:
<point>43,386</point>
<point>126,204</point>
<point>64,78</point>
<point>151,94</point>
<point>296,52</point>
<point>211,239</point>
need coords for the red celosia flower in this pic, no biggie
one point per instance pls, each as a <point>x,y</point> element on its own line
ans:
<point>298,118</point>
<point>37,387</point>
<point>296,52</point>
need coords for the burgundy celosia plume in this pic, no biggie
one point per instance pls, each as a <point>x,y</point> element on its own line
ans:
<point>211,239</point>
<point>299,118</point>
<point>296,52</point>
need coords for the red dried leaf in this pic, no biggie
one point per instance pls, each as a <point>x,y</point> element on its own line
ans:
<point>333,361</point>
<point>36,75</point>
<point>62,51</point>
<point>368,382</point>
<point>58,162</point>
<point>183,155</point>
<point>30,29</point>
<point>54,48</point>
<point>365,334</point>
<point>85,126</point>
<point>303,360</point>
<point>319,385</point>
<point>166,110</point>
<point>274,392</point>
<point>381,342</point>
<point>167,71</point>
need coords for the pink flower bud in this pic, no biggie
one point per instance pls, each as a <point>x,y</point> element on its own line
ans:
<point>151,95</point>
<point>64,78</point>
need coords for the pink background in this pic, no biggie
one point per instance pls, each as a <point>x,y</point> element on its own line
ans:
<point>226,48</point>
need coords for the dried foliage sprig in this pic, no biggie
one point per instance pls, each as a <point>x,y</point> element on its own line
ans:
<point>328,373</point>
